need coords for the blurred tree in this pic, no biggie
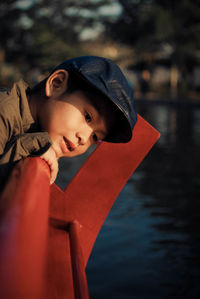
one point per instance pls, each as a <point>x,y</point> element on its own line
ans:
<point>42,33</point>
<point>10,35</point>
<point>57,28</point>
<point>160,29</point>
<point>147,24</point>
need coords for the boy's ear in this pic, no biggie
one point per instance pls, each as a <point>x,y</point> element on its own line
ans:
<point>56,84</point>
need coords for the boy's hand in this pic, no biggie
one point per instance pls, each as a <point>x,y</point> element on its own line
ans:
<point>51,159</point>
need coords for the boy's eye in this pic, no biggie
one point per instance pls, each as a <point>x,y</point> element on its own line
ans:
<point>95,138</point>
<point>87,117</point>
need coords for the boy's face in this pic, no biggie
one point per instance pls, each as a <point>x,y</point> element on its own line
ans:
<point>72,123</point>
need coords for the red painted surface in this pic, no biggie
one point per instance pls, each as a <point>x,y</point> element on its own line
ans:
<point>40,261</point>
<point>23,231</point>
<point>78,267</point>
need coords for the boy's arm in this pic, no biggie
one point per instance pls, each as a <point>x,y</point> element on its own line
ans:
<point>21,146</point>
<point>14,144</point>
<point>29,144</point>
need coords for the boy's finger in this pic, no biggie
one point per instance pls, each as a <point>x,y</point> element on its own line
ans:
<point>54,172</point>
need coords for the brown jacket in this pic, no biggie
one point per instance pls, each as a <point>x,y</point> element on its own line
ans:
<point>19,135</point>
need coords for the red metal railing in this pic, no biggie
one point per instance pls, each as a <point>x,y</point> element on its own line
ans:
<point>78,267</point>
<point>23,231</point>
<point>24,208</point>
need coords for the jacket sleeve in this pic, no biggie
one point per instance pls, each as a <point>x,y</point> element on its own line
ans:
<point>21,146</point>
<point>15,145</point>
<point>28,144</point>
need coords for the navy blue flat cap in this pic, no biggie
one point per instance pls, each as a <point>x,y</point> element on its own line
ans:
<point>106,77</point>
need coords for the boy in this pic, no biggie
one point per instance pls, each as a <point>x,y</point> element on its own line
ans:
<point>83,101</point>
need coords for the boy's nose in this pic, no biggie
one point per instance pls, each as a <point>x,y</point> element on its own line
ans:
<point>84,136</point>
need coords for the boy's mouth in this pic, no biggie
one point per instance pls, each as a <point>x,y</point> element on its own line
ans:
<point>69,144</point>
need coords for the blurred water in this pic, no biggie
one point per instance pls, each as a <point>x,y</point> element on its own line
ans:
<point>149,245</point>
